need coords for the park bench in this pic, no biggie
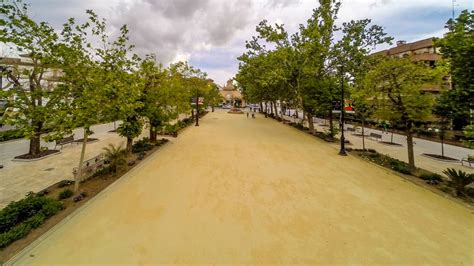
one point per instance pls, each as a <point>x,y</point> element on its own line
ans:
<point>90,166</point>
<point>375,136</point>
<point>64,141</point>
<point>468,160</point>
<point>350,129</point>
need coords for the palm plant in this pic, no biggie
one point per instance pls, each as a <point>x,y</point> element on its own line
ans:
<point>460,179</point>
<point>116,156</point>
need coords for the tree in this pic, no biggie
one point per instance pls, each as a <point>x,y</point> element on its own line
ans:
<point>396,88</point>
<point>457,47</point>
<point>213,97</point>
<point>118,76</point>
<point>33,97</point>
<point>84,107</point>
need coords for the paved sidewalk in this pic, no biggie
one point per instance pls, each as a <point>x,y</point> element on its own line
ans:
<point>18,178</point>
<point>238,190</point>
<point>400,152</point>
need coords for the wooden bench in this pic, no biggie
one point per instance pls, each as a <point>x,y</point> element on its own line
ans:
<point>468,160</point>
<point>375,136</point>
<point>64,141</point>
<point>90,166</point>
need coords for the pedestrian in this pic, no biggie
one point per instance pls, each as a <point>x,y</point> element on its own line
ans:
<point>247,114</point>
<point>253,116</point>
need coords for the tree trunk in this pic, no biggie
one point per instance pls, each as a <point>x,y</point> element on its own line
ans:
<point>212,108</point>
<point>129,145</point>
<point>152,134</point>
<point>35,141</point>
<point>275,108</point>
<point>192,113</point>
<point>411,157</point>
<point>77,177</point>
<point>363,134</point>
<point>261,107</point>
<point>442,146</point>
<point>331,124</point>
<point>310,122</point>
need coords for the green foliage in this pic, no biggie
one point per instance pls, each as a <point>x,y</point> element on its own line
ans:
<point>32,106</point>
<point>67,193</point>
<point>115,156</point>
<point>18,218</point>
<point>11,134</point>
<point>142,146</point>
<point>457,47</point>
<point>431,177</point>
<point>460,179</point>
<point>468,132</point>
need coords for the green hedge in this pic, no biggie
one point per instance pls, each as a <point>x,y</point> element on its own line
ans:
<point>11,134</point>
<point>18,218</point>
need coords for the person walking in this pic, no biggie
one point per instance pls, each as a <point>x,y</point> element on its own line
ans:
<point>247,114</point>
<point>253,116</point>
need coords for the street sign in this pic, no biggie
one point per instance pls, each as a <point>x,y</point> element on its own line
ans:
<point>348,108</point>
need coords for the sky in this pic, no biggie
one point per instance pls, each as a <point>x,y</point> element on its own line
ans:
<point>211,34</point>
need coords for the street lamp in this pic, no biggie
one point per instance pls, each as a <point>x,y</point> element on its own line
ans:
<point>342,151</point>
<point>197,107</point>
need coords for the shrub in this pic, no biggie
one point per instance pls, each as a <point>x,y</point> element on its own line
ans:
<point>64,183</point>
<point>18,218</point>
<point>400,167</point>
<point>460,179</point>
<point>142,146</point>
<point>102,172</point>
<point>432,177</point>
<point>65,194</point>
<point>11,134</point>
<point>115,156</point>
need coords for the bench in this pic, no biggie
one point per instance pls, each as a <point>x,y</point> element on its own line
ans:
<point>375,136</point>
<point>90,166</point>
<point>64,141</point>
<point>469,160</point>
<point>350,129</point>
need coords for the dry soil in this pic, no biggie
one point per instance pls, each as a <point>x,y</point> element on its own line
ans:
<point>253,191</point>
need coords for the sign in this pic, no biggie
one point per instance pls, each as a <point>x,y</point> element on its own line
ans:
<point>348,107</point>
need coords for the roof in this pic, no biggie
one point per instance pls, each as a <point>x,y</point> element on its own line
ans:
<point>411,46</point>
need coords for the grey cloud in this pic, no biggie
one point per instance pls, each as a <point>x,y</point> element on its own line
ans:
<point>282,3</point>
<point>169,28</point>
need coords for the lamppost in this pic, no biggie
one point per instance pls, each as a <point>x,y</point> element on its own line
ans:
<point>197,107</point>
<point>342,151</point>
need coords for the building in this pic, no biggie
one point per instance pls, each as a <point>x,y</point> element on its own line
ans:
<point>231,95</point>
<point>423,50</point>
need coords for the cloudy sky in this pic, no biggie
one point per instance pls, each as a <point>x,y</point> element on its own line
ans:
<point>210,34</point>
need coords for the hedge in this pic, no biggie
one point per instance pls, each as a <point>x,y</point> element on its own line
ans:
<point>18,218</point>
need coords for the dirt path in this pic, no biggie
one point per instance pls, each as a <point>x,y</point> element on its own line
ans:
<point>238,190</point>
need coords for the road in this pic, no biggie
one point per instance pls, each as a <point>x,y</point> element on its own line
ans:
<point>238,190</point>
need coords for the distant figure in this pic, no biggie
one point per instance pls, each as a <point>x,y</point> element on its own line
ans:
<point>247,114</point>
<point>253,116</point>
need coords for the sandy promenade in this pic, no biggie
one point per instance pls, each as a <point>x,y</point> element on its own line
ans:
<point>253,191</point>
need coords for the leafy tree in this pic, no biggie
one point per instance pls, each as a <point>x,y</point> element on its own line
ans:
<point>396,88</point>
<point>84,107</point>
<point>33,97</point>
<point>457,47</point>
<point>118,76</point>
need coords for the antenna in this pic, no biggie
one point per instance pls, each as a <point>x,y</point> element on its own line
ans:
<point>453,8</point>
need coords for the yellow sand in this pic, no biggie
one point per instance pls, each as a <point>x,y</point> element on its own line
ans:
<point>240,190</point>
